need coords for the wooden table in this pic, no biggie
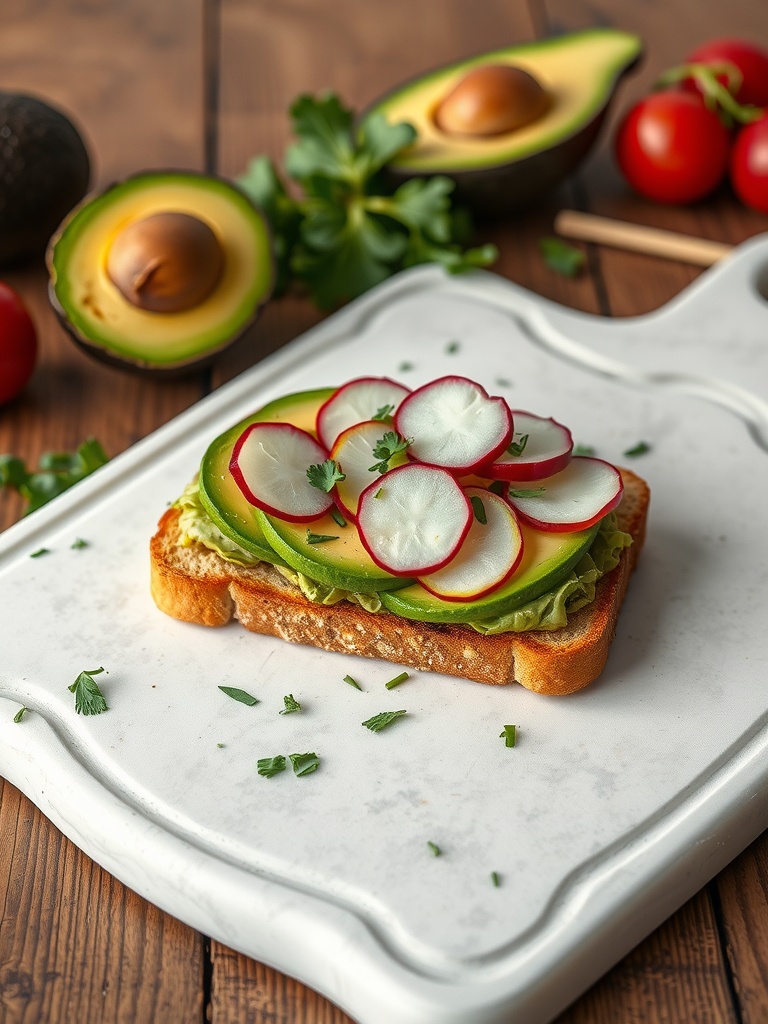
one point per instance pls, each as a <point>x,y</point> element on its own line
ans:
<point>205,84</point>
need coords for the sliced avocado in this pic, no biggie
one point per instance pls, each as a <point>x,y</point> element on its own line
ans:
<point>503,171</point>
<point>547,559</point>
<point>161,271</point>
<point>342,562</point>
<point>222,498</point>
<point>44,172</point>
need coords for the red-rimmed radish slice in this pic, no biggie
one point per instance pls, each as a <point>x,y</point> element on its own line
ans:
<point>353,453</point>
<point>546,449</point>
<point>269,464</point>
<point>454,423</point>
<point>489,555</point>
<point>573,499</point>
<point>354,402</point>
<point>413,519</point>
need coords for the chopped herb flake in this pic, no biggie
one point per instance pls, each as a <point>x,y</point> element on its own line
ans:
<point>304,764</point>
<point>269,766</point>
<point>517,447</point>
<point>583,449</point>
<point>509,735</point>
<point>436,851</point>
<point>499,487</point>
<point>503,382</point>
<point>533,492</point>
<point>452,347</point>
<point>495,879</point>
<point>240,695</point>
<point>479,509</point>
<point>20,714</point>
<point>404,367</point>
<point>641,448</point>
<point>384,414</point>
<point>352,682</point>
<point>386,448</point>
<point>381,721</point>
<point>379,493</point>
<point>89,700</point>
<point>337,517</point>
<point>319,538</point>
<point>291,705</point>
<point>561,257</point>
<point>40,552</point>
<point>324,475</point>
<point>397,680</point>
<point>79,543</point>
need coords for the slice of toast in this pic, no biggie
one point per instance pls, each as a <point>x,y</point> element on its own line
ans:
<point>195,584</point>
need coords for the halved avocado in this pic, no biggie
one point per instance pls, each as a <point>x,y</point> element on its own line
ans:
<point>505,170</point>
<point>161,271</point>
<point>547,559</point>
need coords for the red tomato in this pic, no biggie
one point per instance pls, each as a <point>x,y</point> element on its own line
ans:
<point>751,60</point>
<point>18,344</point>
<point>671,148</point>
<point>749,165</point>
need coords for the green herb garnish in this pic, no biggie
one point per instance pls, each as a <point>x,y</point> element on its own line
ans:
<point>509,735</point>
<point>345,233</point>
<point>78,544</point>
<point>304,764</point>
<point>641,448</point>
<point>517,447</point>
<point>337,517</point>
<point>20,714</point>
<point>56,472</point>
<point>404,367</point>
<point>495,879</point>
<point>324,475</point>
<point>397,680</point>
<point>379,493</point>
<point>561,257</point>
<point>452,347</point>
<point>479,509</point>
<point>583,449</point>
<point>352,682</point>
<point>381,721</point>
<point>436,851</point>
<point>503,382</point>
<point>40,552</point>
<point>267,767</point>
<point>89,700</point>
<point>499,487</point>
<point>320,538</point>
<point>386,448</point>
<point>291,705</point>
<point>533,492</point>
<point>384,414</point>
<point>240,695</point>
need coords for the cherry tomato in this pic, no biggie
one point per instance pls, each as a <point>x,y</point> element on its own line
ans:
<point>751,60</point>
<point>671,148</point>
<point>749,165</point>
<point>18,344</point>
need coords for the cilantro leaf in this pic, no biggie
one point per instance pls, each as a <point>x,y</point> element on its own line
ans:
<point>89,700</point>
<point>561,257</point>
<point>291,705</point>
<point>240,695</point>
<point>384,414</point>
<point>268,767</point>
<point>517,447</point>
<point>304,764</point>
<point>263,185</point>
<point>382,720</point>
<point>324,475</point>
<point>56,472</point>
<point>386,448</point>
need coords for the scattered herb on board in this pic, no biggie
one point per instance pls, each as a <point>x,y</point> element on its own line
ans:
<point>56,472</point>
<point>509,735</point>
<point>453,347</point>
<point>20,714</point>
<point>319,538</point>
<point>324,475</point>
<point>291,705</point>
<point>436,851</point>
<point>40,552</point>
<point>386,448</point>
<point>267,767</point>
<point>479,509</point>
<point>404,367</point>
<point>304,764</point>
<point>641,448</point>
<point>562,258</point>
<point>345,232</point>
<point>352,682</point>
<point>397,680</point>
<point>583,449</point>
<point>495,879</point>
<point>78,544</point>
<point>89,700</point>
<point>503,382</point>
<point>382,720</point>
<point>240,695</point>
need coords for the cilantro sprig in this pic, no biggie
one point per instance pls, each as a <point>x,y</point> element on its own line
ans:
<point>89,700</point>
<point>347,231</point>
<point>386,448</point>
<point>325,475</point>
<point>56,472</point>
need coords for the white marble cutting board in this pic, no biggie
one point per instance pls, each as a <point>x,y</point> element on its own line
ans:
<point>615,806</point>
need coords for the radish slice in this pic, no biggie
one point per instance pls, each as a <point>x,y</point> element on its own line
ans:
<point>357,401</point>
<point>353,453</point>
<point>455,424</point>
<point>489,555</point>
<point>413,519</point>
<point>270,462</point>
<point>573,499</point>
<point>546,449</point>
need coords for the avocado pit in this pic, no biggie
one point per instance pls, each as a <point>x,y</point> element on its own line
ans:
<point>166,263</point>
<point>492,100</point>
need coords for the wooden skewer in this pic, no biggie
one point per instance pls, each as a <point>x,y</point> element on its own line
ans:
<point>587,227</point>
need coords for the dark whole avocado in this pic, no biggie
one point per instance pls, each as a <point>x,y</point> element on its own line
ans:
<point>504,171</point>
<point>162,271</point>
<point>44,172</point>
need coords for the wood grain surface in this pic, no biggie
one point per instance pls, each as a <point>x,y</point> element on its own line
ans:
<point>206,84</point>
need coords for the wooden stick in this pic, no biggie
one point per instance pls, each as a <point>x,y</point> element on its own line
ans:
<point>589,228</point>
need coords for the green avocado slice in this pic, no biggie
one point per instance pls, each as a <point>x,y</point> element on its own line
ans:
<point>547,558</point>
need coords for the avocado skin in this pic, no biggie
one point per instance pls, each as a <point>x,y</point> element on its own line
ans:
<point>44,172</point>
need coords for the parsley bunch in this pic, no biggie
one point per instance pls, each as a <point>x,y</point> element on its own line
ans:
<point>56,473</point>
<point>348,232</point>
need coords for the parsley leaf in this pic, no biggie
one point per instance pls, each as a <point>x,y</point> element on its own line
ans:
<point>386,448</point>
<point>384,414</point>
<point>304,764</point>
<point>561,257</point>
<point>89,700</point>
<point>345,232</point>
<point>56,472</point>
<point>240,695</point>
<point>381,721</point>
<point>291,705</point>
<point>324,475</point>
<point>268,767</point>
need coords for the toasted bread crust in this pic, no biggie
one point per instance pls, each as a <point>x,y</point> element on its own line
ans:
<point>194,584</point>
